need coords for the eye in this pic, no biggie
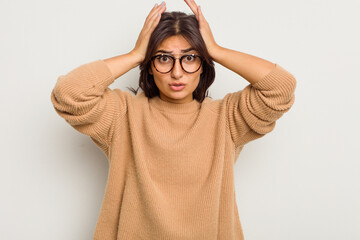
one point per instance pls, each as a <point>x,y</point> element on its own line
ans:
<point>189,58</point>
<point>163,58</point>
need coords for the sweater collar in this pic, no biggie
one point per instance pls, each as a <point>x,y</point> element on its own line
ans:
<point>166,106</point>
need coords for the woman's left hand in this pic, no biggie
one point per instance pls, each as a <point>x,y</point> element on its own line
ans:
<point>204,28</point>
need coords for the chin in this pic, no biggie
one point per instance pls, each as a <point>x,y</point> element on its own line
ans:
<point>177,95</point>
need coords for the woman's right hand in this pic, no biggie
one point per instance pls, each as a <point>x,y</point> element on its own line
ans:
<point>150,24</point>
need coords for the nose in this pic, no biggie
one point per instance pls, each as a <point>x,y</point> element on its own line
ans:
<point>177,71</point>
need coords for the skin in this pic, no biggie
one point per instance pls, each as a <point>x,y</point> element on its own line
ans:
<point>177,74</point>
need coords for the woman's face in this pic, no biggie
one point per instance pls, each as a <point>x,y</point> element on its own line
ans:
<point>175,45</point>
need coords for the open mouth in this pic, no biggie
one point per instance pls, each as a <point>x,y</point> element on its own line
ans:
<point>177,87</point>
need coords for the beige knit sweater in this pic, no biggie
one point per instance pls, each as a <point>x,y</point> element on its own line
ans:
<point>170,165</point>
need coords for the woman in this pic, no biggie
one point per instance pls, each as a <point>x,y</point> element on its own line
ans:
<point>171,149</point>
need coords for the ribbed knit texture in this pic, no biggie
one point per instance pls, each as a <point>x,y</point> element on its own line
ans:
<point>170,165</point>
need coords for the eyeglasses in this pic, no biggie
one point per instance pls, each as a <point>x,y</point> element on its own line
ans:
<point>164,63</point>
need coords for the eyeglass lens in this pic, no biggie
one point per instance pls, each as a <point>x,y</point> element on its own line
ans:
<point>164,63</point>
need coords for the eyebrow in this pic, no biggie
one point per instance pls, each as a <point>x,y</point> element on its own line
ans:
<point>183,51</point>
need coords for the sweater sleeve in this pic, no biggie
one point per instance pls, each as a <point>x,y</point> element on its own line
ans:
<point>82,97</point>
<point>253,111</point>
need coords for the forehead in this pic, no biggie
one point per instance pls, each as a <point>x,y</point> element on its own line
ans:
<point>175,44</point>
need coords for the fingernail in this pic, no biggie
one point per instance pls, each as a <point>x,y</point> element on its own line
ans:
<point>163,3</point>
<point>155,5</point>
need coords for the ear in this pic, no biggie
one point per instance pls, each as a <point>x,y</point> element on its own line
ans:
<point>150,71</point>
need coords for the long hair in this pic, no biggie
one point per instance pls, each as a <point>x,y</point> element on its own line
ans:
<point>172,24</point>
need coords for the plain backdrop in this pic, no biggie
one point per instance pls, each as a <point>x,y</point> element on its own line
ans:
<point>301,181</point>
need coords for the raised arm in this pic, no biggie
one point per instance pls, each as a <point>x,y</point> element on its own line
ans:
<point>253,111</point>
<point>250,67</point>
<point>82,96</point>
<point>121,64</point>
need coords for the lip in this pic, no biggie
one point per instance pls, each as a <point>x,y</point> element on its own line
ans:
<point>177,88</point>
<point>177,83</point>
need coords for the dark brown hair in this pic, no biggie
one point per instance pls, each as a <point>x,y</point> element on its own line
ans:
<point>172,24</point>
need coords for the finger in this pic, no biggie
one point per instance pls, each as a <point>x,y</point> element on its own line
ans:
<point>195,6</point>
<point>192,2</point>
<point>200,12</point>
<point>192,6</point>
<point>202,17</point>
<point>155,10</point>
<point>160,9</point>
<point>156,18</point>
<point>155,22</point>
<point>151,11</point>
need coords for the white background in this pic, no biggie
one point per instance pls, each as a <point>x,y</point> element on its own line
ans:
<point>300,181</point>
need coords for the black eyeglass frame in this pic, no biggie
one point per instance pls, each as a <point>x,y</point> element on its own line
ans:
<point>174,60</point>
